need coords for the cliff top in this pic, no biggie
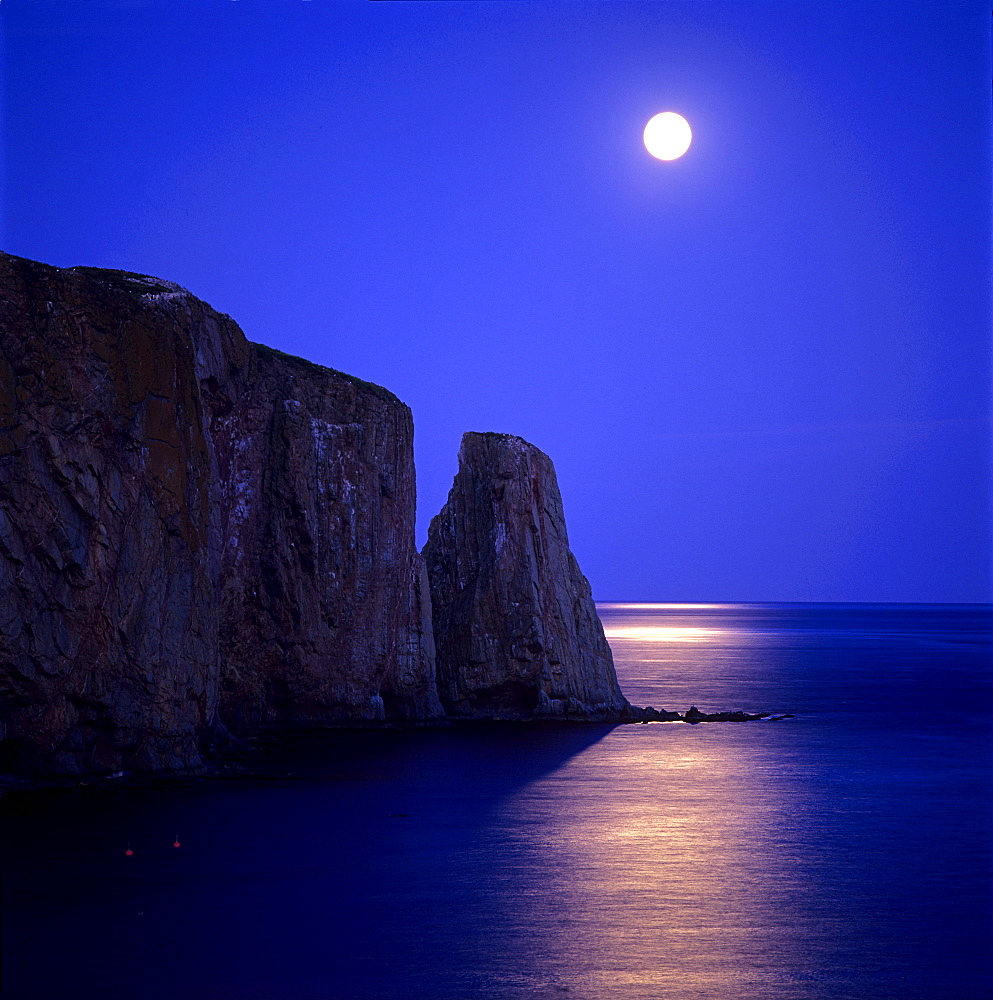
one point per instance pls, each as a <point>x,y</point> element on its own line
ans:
<point>151,289</point>
<point>496,438</point>
<point>311,368</point>
<point>138,284</point>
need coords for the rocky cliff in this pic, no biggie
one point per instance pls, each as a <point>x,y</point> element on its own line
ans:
<point>516,630</point>
<point>200,535</point>
<point>194,530</point>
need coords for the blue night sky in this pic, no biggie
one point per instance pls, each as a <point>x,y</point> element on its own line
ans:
<point>762,370</point>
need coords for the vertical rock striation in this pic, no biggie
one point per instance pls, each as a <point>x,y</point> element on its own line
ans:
<point>193,529</point>
<point>515,627</point>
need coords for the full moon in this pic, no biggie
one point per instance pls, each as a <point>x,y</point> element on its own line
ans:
<point>668,136</point>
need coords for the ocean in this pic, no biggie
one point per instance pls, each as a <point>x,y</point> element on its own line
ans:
<point>842,854</point>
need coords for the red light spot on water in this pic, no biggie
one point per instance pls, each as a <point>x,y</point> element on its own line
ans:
<point>128,853</point>
<point>176,843</point>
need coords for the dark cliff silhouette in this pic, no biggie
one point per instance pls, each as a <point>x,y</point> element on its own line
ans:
<point>201,535</point>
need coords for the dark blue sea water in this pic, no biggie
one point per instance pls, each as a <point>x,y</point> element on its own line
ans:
<point>844,853</point>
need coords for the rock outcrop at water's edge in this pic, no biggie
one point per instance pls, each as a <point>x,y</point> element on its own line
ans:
<point>203,537</point>
<point>516,631</point>
<point>194,530</point>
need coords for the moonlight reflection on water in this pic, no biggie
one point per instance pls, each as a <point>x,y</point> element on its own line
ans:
<point>825,857</point>
<point>662,633</point>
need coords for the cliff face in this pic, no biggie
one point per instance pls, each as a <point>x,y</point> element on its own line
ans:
<point>193,528</point>
<point>516,630</point>
<point>322,606</point>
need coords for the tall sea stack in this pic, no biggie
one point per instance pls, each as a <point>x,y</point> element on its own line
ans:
<point>515,626</point>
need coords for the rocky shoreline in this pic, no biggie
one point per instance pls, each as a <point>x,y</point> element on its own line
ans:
<point>202,538</point>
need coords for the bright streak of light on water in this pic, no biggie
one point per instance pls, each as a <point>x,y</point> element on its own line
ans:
<point>662,633</point>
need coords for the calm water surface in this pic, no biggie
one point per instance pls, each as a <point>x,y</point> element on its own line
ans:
<point>845,853</point>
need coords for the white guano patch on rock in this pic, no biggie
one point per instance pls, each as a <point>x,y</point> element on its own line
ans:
<point>322,432</point>
<point>180,293</point>
<point>243,492</point>
<point>499,536</point>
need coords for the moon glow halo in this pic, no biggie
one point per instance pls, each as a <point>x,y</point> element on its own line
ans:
<point>667,136</point>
